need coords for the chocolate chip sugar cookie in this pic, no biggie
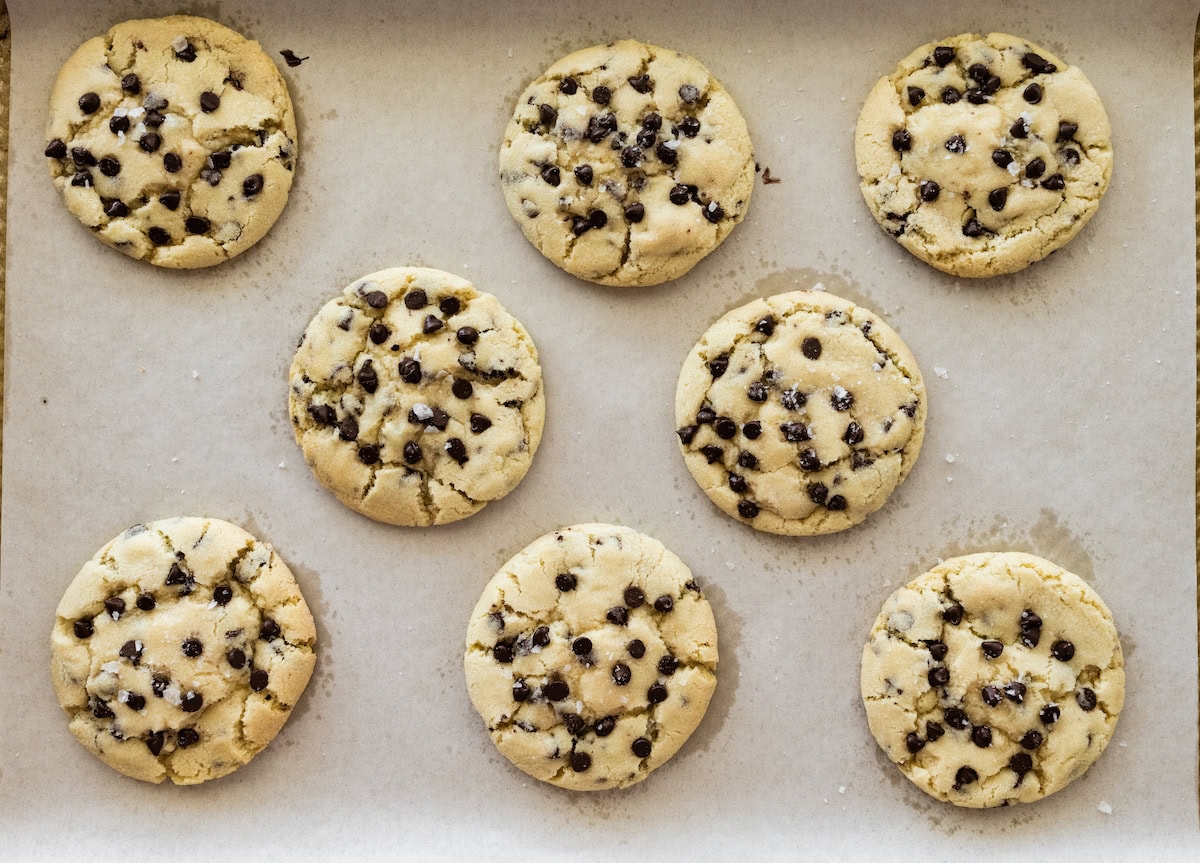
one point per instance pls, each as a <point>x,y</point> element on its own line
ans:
<point>591,656</point>
<point>626,164</point>
<point>983,154</point>
<point>173,140</point>
<point>993,678</point>
<point>416,398</point>
<point>180,649</point>
<point>800,413</point>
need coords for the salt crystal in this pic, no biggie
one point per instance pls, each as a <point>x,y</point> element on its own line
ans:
<point>950,458</point>
<point>173,696</point>
<point>941,372</point>
<point>422,411</point>
<point>179,43</point>
<point>841,789</point>
<point>1105,807</point>
<point>282,466</point>
<point>195,374</point>
<point>111,667</point>
<point>123,696</point>
<point>894,172</point>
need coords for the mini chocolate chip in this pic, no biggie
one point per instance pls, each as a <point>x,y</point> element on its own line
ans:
<point>114,606</point>
<point>154,742</point>
<point>89,103</point>
<point>664,604</point>
<point>556,690</point>
<point>841,399</point>
<point>914,743</point>
<point>1054,183</point>
<point>552,175</point>
<point>187,54</point>
<point>766,325</point>
<point>818,492</point>
<point>521,691</point>
<point>601,95</point>
<point>712,453</point>
<point>222,594</point>
<point>679,194</point>
<point>747,459</point>
<point>412,453</point>
<point>209,101</point>
<point>1049,714</point>
<point>1066,131</point>
<point>981,736</point>
<point>56,149</point>
<point>83,157</point>
<point>131,650</point>
<point>101,710</point>
<point>457,450</point>
<point>811,348</point>
<point>1033,93</point>
<point>1002,158</point>
<point>84,628</point>
<point>853,434</point>
<point>368,454</point>
<point>714,212</point>
<point>134,701</point>
<point>621,674</point>
<point>747,508</point>
<point>186,737</point>
<point>348,429</point>
<point>131,84</point>
<point>998,198</point>
<point>915,96</point>
<point>1032,739</point>
<point>1020,128</point>
<point>641,747</point>
<point>656,694</point>
<point>252,185</point>
<point>196,225</point>
<point>502,652</point>
<point>631,157</point>
<point>1062,650</point>
<point>259,679</point>
<point>605,726</point>
<point>978,72</point>
<point>172,164</point>
<point>930,191</point>
<point>977,96</point>
<point>618,614</point>
<point>170,200</point>
<point>992,696</point>
<point>1035,169</point>
<point>718,367</point>
<point>973,228</point>
<point>579,225</point>
<point>737,484</point>
<point>1086,699</point>
<point>574,723</point>
<point>956,144</point>
<point>540,637</point>
<point>1020,763</point>
<point>565,581</point>
<point>953,615</point>
<point>1037,64</point>
<point>176,575</point>
<point>635,212</point>
<point>192,647</point>
<point>939,675</point>
<point>793,399</point>
<point>901,140</point>
<point>410,370</point>
<point>752,429</point>
<point>581,646</point>
<point>269,630</point>
<point>725,427</point>
<point>547,116</point>
<point>992,85</point>
<point>154,119</point>
<point>193,701</point>
<point>668,665</point>
<point>934,731</point>
<point>795,432</point>
<point>964,776</point>
<point>150,142</point>
<point>992,649</point>
<point>323,414</point>
<point>951,95</point>
<point>634,596</point>
<point>431,324</point>
<point>584,174</point>
<point>159,684</point>
<point>943,54</point>
<point>378,332</point>
<point>1030,620</point>
<point>415,299</point>
<point>480,423</point>
<point>636,648</point>
<point>116,125</point>
<point>81,178</point>
<point>375,299</point>
<point>646,139</point>
<point>687,434</point>
<point>937,650</point>
<point>568,85</point>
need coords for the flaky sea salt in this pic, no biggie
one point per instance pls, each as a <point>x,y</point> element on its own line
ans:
<point>941,372</point>
<point>422,411</point>
<point>111,667</point>
<point>1105,807</point>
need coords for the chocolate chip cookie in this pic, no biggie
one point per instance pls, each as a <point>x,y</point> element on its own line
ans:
<point>180,649</point>
<point>416,398</point>
<point>591,656</point>
<point>800,413</point>
<point>173,140</point>
<point>626,163</point>
<point>993,678</point>
<point>983,154</point>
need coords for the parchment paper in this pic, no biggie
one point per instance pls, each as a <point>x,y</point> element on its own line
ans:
<point>1061,422</point>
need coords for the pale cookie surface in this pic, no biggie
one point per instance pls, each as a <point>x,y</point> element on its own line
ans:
<point>173,140</point>
<point>993,679</point>
<point>983,154</point>
<point>626,164</point>
<point>800,413</point>
<point>180,649</point>
<point>416,398</point>
<point>591,656</point>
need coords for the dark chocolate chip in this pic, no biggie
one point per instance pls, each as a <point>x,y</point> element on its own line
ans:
<point>410,370</point>
<point>415,299</point>
<point>568,85</point>
<point>641,747</point>
<point>186,737</point>
<point>973,228</point>
<point>1071,156</point>
<point>552,175</point>
<point>934,731</point>
<point>1032,739</point>
<point>766,325</point>
<point>348,429</point>
<point>114,607</point>
<point>412,452</point>
<point>193,701</point>
<point>853,434</point>
<point>997,198</point>
<point>747,459</point>
<point>956,144</point>
<point>154,119</point>
<point>89,103</point>
<point>378,332</point>
<point>116,125</point>
<point>431,324</point>
<point>938,650</point>
<point>269,630</point>
<point>795,432</point>
<point>1037,64</point>
<point>914,743</point>
<point>930,191</point>
<point>943,54</point>
<point>547,116</point>
<point>964,776</point>
<point>259,679</point>
<point>584,174</point>
<point>150,142</point>
<point>170,200</point>
<point>1086,699</point>
<point>462,389</point>
<point>1030,620</point>
<point>172,164</point>
<point>664,604</point>
<point>154,742</point>
<point>601,95</point>
<point>811,348</point>
<point>725,427</point>
<point>368,454</point>
<point>977,96</point>
<point>84,628</point>
<point>992,696</point>
<point>1066,131</point>
<point>375,299</point>
<point>631,157</point>
<point>841,399</point>
<point>56,149</point>
<point>634,596</point>
<point>752,429</point>
<point>939,675</point>
<point>83,157</point>
<point>101,710</point>
<point>1002,158</point>
<point>668,665</point>
<point>574,723</point>
<point>196,224</point>
<point>915,96</point>
<point>618,614</point>
<point>992,85</point>
<point>656,694</point>
<point>757,392</point>
<point>901,140</point>
<point>158,236</point>
<point>747,508</point>
<point>1035,169</point>
<point>192,647</point>
<point>793,399</point>
<point>222,594</point>
<point>540,637</point>
<point>981,736</point>
<point>1062,650</point>
<point>565,581</point>
<point>687,434</point>
<point>159,684</point>
<point>323,414</point>
<point>521,691</point>
<point>209,101</point>
<point>1033,93</point>
<point>131,84</point>
<point>714,212</point>
<point>1020,128</point>
<point>1020,763</point>
<point>953,615</point>
<point>176,575</point>
<point>635,212</point>
<point>679,194</point>
<point>134,701</point>
<point>621,674</point>
<point>502,652</point>
<point>951,95</point>
<point>187,54</point>
<point>1054,183</point>
<point>605,726</point>
<point>992,649</point>
<point>636,648</point>
<point>252,185</point>
<point>131,650</point>
<point>978,72</point>
<point>1049,714</point>
<point>818,492</point>
<point>737,484</point>
<point>581,646</point>
<point>556,690</point>
<point>718,366</point>
<point>1015,691</point>
<point>600,127</point>
<point>457,450</point>
<point>467,335</point>
<point>689,93</point>
<point>480,423</point>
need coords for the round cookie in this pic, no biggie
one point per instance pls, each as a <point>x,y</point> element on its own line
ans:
<point>799,414</point>
<point>983,154</point>
<point>180,649</point>
<point>626,163</point>
<point>173,140</point>
<point>994,678</point>
<point>591,656</point>
<point>416,398</point>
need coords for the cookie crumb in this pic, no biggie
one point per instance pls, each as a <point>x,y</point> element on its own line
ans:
<point>290,58</point>
<point>769,180</point>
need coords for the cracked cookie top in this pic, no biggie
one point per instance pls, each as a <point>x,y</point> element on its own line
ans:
<point>983,154</point>
<point>799,413</point>
<point>626,164</point>
<point>416,398</point>
<point>180,649</point>
<point>591,656</point>
<point>173,140</point>
<point>994,678</point>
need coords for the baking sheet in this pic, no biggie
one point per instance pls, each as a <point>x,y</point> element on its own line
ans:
<point>1064,396</point>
